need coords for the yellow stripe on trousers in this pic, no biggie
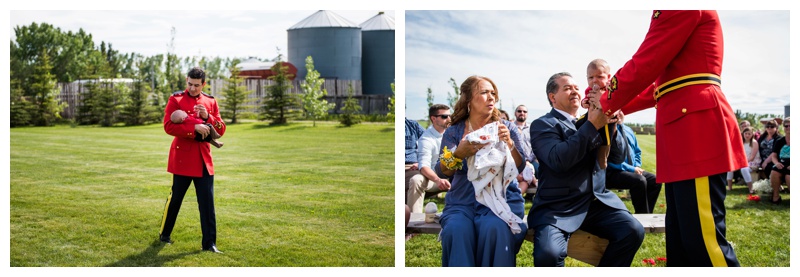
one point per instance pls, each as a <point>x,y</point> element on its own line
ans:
<point>166,208</point>
<point>707,223</point>
<point>608,136</point>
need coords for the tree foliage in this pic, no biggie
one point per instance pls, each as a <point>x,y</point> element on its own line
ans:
<point>453,98</point>
<point>351,110</point>
<point>390,114</point>
<point>20,107</point>
<point>43,92</point>
<point>279,104</point>
<point>235,95</point>
<point>314,105</point>
<point>137,107</point>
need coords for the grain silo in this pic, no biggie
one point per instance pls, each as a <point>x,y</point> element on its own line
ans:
<point>377,60</point>
<point>331,40</point>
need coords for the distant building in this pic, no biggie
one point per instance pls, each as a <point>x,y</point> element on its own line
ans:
<point>255,69</point>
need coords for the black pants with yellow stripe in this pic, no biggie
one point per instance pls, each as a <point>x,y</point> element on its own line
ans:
<point>695,223</point>
<point>204,188</point>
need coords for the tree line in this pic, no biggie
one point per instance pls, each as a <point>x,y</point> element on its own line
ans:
<point>43,55</point>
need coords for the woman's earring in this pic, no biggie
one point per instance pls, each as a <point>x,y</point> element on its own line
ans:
<point>467,109</point>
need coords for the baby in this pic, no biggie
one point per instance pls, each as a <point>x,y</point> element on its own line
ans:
<point>597,75</point>
<point>180,116</point>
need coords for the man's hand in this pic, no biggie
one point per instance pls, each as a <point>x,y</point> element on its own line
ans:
<point>638,170</point>
<point>414,166</point>
<point>200,110</point>
<point>443,184</point>
<point>202,130</point>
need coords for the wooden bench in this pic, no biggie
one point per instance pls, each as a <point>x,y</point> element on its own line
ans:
<point>583,246</point>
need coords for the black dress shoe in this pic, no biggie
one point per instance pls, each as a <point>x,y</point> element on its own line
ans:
<point>213,248</point>
<point>165,239</point>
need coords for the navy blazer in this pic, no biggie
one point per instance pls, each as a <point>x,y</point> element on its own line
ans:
<point>570,178</point>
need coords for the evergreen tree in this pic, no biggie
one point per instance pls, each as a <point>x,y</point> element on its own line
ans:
<point>390,114</point>
<point>44,92</point>
<point>351,110</point>
<point>313,104</point>
<point>280,105</point>
<point>137,108</point>
<point>235,95</point>
<point>105,104</point>
<point>20,106</point>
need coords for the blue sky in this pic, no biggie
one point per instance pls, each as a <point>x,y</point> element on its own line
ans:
<point>519,50</point>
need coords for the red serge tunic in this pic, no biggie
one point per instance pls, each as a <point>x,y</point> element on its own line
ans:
<point>676,70</point>
<point>187,156</point>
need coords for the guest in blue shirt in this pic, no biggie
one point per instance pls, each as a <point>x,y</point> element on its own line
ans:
<point>625,170</point>
<point>413,133</point>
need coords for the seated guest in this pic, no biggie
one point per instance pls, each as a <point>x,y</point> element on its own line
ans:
<point>572,192</point>
<point>428,156</point>
<point>625,170</point>
<point>780,159</point>
<point>766,142</point>
<point>753,159</point>
<point>472,233</point>
<point>413,132</point>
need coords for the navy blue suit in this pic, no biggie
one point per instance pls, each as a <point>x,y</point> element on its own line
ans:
<point>572,195</point>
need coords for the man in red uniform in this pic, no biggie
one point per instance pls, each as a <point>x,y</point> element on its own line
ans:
<point>190,160</point>
<point>677,70</point>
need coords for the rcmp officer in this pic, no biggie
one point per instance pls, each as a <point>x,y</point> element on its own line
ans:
<point>677,70</point>
<point>190,160</point>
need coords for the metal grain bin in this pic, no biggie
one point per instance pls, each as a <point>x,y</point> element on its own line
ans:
<point>331,40</point>
<point>377,60</point>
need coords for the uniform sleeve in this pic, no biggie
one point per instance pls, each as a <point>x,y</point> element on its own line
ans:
<point>669,31</point>
<point>182,130</point>
<point>215,119</point>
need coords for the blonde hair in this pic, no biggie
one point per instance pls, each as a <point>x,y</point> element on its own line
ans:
<point>600,64</point>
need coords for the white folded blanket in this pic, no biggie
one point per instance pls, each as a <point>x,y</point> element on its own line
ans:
<point>491,169</point>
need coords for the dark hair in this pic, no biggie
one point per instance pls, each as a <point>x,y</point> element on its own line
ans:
<point>506,114</point>
<point>436,107</point>
<point>750,143</point>
<point>197,73</point>
<point>461,110</point>
<point>552,86</point>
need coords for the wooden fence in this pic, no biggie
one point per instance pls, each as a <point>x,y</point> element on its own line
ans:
<point>72,94</point>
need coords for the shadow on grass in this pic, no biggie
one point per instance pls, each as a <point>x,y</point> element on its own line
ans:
<point>149,257</point>
<point>268,125</point>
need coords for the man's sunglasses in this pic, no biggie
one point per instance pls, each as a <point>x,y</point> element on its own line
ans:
<point>521,111</point>
<point>443,116</point>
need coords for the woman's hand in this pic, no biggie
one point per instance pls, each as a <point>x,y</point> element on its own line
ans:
<point>467,149</point>
<point>505,135</point>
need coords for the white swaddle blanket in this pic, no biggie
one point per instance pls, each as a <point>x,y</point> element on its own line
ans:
<point>491,169</point>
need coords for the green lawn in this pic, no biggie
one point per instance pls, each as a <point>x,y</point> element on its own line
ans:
<point>759,231</point>
<point>291,195</point>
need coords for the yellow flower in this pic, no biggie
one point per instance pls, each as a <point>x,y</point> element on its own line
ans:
<point>451,164</point>
<point>447,155</point>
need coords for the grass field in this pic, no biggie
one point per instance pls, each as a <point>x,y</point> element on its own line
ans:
<point>759,231</point>
<point>291,195</point>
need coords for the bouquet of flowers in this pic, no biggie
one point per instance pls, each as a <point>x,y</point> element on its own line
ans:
<point>762,186</point>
